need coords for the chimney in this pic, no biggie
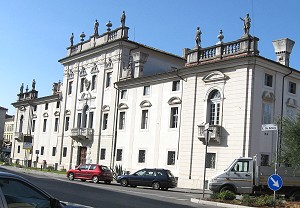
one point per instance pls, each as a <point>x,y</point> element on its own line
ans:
<point>283,49</point>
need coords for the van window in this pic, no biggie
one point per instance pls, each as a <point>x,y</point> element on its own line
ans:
<point>241,166</point>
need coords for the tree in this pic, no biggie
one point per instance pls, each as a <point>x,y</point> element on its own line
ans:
<point>290,142</point>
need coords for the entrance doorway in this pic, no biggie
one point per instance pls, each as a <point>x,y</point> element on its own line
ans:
<point>81,155</point>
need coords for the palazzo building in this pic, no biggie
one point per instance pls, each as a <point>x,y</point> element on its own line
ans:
<point>125,103</point>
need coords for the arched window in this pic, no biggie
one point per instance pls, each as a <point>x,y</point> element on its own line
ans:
<point>213,105</point>
<point>21,123</point>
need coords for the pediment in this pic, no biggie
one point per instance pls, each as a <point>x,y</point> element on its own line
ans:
<point>94,69</point>
<point>145,103</point>
<point>122,106</point>
<point>68,112</point>
<point>292,102</point>
<point>56,113</point>
<point>268,96</point>
<point>215,76</point>
<point>45,115</point>
<point>174,100</point>
<point>105,108</point>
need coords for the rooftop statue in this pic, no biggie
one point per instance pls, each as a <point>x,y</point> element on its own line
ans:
<point>96,26</point>
<point>21,88</point>
<point>247,25</point>
<point>123,19</point>
<point>33,84</point>
<point>72,39</point>
<point>198,37</point>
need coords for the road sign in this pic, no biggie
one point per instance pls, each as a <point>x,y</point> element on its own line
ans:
<point>275,182</point>
<point>269,127</point>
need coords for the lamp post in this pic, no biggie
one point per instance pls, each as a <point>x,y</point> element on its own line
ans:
<point>207,138</point>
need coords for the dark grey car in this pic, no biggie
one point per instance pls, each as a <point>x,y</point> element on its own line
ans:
<point>155,178</point>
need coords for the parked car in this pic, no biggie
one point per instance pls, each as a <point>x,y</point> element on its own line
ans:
<point>155,178</point>
<point>92,172</point>
<point>16,191</point>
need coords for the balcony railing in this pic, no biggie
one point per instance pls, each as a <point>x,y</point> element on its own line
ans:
<point>215,133</point>
<point>19,136</point>
<point>82,133</point>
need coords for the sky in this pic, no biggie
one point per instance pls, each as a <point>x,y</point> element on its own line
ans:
<point>34,34</point>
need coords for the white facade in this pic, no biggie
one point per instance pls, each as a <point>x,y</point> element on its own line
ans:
<point>2,122</point>
<point>123,103</point>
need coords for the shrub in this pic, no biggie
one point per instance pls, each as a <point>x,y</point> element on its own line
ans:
<point>227,195</point>
<point>50,168</point>
<point>247,200</point>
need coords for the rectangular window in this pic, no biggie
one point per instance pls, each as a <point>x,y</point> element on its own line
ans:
<point>81,84</point>
<point>108,79</point>
<point>70,88</point>
<point>105,121</point>
<point>122,120</point>
<point>268,80</point>
<point>91,118</point>
<point>67,123</point>
<point>57,104</point>
<point>146,90</point>
<point>214,113</point>
<point>267,113</point>
<point>144,122</point>
<point>79,120</point>
<point>264,160</point>
<point>292,87</point>
<point>53,151</point>
<point>19,148</point>
<point>123,94</point>
<point>142,156</point>
<point>34,108</point>
<point>211,160</point>
<point>93,82</point>
<point>33,125</point>
<point>65,152</point>
<point>56,125</point>
<point>171,158</point>
<point>119,155</point>
<point>42,150</point>
<point>174,117</point>
<point>176,85</point>
<point>45,125</point>
<point>102,154</point>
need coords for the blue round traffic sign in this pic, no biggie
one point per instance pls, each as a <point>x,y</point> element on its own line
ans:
<point>275,182</point>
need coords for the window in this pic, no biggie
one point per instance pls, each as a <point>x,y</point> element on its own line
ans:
<point>119,155</point>
<point>82,84</point>
<point>292,87</point>
<point>267,113</point>
<point>33,125</point>
<point>174,117</point>
<point>21,123</point>
<point>291,112</point>
<point>264,160</point>
<point>42,150</point>
<point>34,108</point>
<point>268,80</point>
<point>105,121</point>
<point>67,123</point>
<point>56,124</point>
<point>142,156</point>
<point>70,88</point>
<point>176,85</point>
<point>45,125</point>
<point>144,123</point>
<point>65,152</point>
<point>46,106</point>
<point>79,120</point>
<point>19,148</point>
<point>214,107</point>
<point>211,160</point>
<point>123,94</point>
<point>146,90</point>
<point>91,118</point>
<point>102,154</point>
<point>53,151</point>
<point>122,120</point>
<point>57,104</point>
<point>241,166</point>
<point>84,116</point>
<point>171,158</point>
<point>108,79</point>
<point>93,82</point>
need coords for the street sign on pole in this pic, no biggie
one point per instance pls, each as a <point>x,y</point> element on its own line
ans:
<point>269,127</point>
<point>275,182</point>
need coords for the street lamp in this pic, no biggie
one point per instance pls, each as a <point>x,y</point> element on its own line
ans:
<point>207,138</point>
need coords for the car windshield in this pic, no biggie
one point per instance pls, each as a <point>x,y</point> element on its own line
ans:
<point>104,168</point>
<point>140,172</point>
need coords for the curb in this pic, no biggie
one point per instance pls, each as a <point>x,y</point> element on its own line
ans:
<point>217,204</point>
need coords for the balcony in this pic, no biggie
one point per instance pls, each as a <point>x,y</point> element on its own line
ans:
<point>19,136</point>
<point>82,133</point>
<point>215,133</point>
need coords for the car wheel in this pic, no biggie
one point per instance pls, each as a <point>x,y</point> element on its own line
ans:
<point>165,189</point>
<point>124,182</point>
<point>95,179</point>
<point>156,185</point>
<point>71,176</point>
<point>227,188</point>
<point>83,180</point>
<point>107,182</point>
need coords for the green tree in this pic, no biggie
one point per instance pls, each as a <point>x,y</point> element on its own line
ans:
<point>290,142</point>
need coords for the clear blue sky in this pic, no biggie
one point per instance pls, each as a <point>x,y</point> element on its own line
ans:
<point>34,34</point>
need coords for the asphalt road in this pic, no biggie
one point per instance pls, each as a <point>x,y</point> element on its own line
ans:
<point>103,195</point>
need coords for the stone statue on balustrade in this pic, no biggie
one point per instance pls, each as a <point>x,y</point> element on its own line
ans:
<point>96,26</point>
<point>247,25</point>
<point>33,84</point>
<point>123,19</point>
<point>72,39</point>
<point>21,88</point>
<point>198,37</point>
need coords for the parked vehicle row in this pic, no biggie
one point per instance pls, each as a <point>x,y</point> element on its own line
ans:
<point>151,177</point>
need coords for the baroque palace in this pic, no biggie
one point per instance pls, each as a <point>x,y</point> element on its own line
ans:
<point>125,103</point>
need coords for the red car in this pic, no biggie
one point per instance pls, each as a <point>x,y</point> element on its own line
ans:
<point>92,172</point>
